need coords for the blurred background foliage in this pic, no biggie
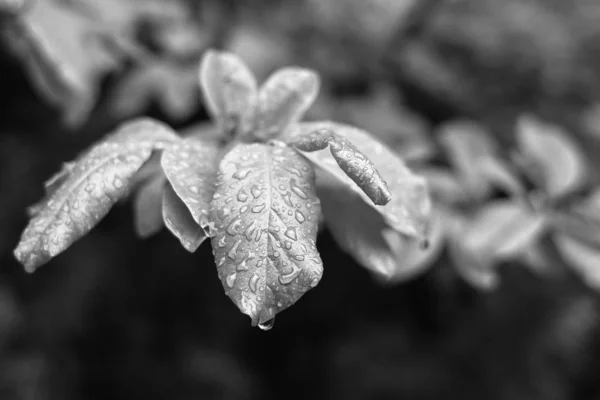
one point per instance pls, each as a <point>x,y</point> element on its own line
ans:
<point>497,103</point>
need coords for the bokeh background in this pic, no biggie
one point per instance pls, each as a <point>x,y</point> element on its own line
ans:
<point>116,317</point>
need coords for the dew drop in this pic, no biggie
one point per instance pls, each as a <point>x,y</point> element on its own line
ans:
<point>231,280</point>
<point>221,242</point>
<point>252,283</point>
<point>276,254</point>
<point>242,173</point>
<point>299,257</point>
<point>291,233</point>
<point>256,192</point>
<point>258,208</point>
<point>232,253</point>
<point>314,282</point>
<point>287,244</point>
<point>301,193</point>
<point>221,261</point>
<point>299,216</point>
<point>234,226</point>
<point>242,195</point>
<point>288,278</point>
<point>194,189</point>
<point>287,198</point>
<point>282,187</point>
<point>242,266</point>
<point>244,209</point>
<point>250,230</point>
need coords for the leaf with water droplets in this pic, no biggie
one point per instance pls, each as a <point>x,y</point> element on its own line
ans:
<point>363,233</point>
<point>284,98</point>
<point>558,161</point>
<point>147,207</point>
<point>99,178</point>
<point>351,160</point>
<point>409,209</point>
<point>266,213</point>
<point>191,167</point>
<point>230,91</point>
<point>179,221</point>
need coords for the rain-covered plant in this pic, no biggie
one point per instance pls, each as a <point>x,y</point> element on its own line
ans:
<point>254,183</point>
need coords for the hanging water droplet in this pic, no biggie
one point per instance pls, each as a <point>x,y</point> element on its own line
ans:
<point>258,208</point>
<point>299,216</point>
<point>265,326</point>
<point>314,282</point>
<point>252,282</point>
<point>231,280</point>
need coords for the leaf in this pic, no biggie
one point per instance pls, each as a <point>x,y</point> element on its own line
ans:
<point>172,86</point>
<point>351,160</point>
<point>444,186</point>
<point>266,212</point>
<point>147,207</point>
<point>191,167</point>
<point>408,211</point>
<point>100,177</point>
<point>560,161</point>
<point>584,259</point>
<point>179,221</point>
<point>230,91</point>
<point>363,233</point>
<point>284,98</point>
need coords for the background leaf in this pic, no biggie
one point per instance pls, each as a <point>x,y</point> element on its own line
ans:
<point>266,213</point>
<point>584,259</point>
<point>230,91</point>
<point>410,206</point>
<point>179,221</point>
<point>191,167</point>
<point>284,98</point>
<point>98,180</point>
<point>561,164</point>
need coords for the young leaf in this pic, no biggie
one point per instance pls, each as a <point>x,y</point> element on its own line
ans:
<point>98,180</point>
<point>408,211</point>
<point>554,153</point>
<point>581,257</point>
<point>284,98</point>
<point>230,91</point>
<point>266,212</point>
<point>179,221</point>
<point>191,167</point>
<point>147,207</point>
<point>351,160</point>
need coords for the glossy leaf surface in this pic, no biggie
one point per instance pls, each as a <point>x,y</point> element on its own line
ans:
<point>409,209</point>
<point>179,221</point>
<point>284,98</point>
<point>230,91</point>
<point>191,167</point>
<point>147,207</point>
<point>266,213</point>
<point>98,180</point>
<point>350,159</point>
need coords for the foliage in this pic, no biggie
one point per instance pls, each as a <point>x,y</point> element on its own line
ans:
<point>252,189</point>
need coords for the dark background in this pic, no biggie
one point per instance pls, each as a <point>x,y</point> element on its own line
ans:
<point>116,317</point>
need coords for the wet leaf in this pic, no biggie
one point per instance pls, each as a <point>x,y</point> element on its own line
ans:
<point>410,206</point>
<point>230,91</point>
<point>191,167</point>
<point>363,233</point>
<point>284,98</point>
<point>351,161</point>
<point>581,257</point>
<point>100,177</point>
<point>179,221</point>
<point>147,207</point>
<point>266,212</point>
<point>554,154</point>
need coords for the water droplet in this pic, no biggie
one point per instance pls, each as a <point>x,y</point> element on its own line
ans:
<point>252,283</point>
<point>118,183</point>
<point>90,187</point>
<point>265,326</point>
<point>314,282</point>
<point>216,196</point>
<point>242,173</point>
<point>228,200</point>
<point>221,242</point>
<point>424,244</point>
<point>282,187</point>
<point>276,254</point>
<point>287,198</point>
<point>287,244</point>
<point>256,192</point>
<point>294,171</point>
<point>258,208</point>
<point>234,226</point>
<point>279,304</point>
<point>194,189</point>
<point>299,216</point>
<point>291,233</point>
<point>231,280</point>
<point>289,277</point>
<point>243,266</point>
<point>223,212</point>
<point>301,193</point>
<point>232,253</point>
<point>242,195</point>
<point>250,230</point>
<point>221,261</point>
<point>244,209</point>
<point>299,257</point>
